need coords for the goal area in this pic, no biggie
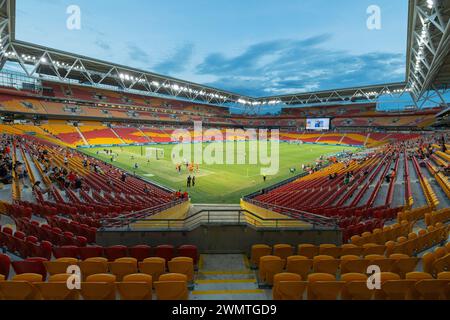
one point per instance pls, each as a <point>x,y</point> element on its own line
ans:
<point>154,153</point>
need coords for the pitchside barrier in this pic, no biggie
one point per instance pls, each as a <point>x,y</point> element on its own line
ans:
<point>222,231</point>
<point>175,142</point>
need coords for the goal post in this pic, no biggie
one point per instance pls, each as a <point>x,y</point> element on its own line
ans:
<point>154,153</point>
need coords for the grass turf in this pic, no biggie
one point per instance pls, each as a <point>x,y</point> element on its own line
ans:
<point>215,183</point>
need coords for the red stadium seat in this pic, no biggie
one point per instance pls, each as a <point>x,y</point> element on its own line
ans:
<point>190,251</point>
<point>66,252</point>
<point>140,252</point>
<point>5,263</point>
<point>165,251</point>
<point>31,265</point>
<point>115,252</point>
<point>90,252</point>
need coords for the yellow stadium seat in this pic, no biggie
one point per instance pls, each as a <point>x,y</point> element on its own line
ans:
<point>316,277</point>
<point>59,266</point>
<point>397,289</point>
<point>349,249</point>
<point>417,276</point>
<point>101,277</point>
<point>445,276</point>
<point>432,289</point>
<point>385,276</point>
<point>330,250</point>
<point>390,247</point>
<point>154,266</point>
<point>172,286</point>
<point>403,264</point>
<point>307,250</point>
<point>373,248</point>
<point>92,266</point>
<point>327,290</point>
<point>355,287</point>
<point>268,267</point>
<point>122,267</point>
<point>29,277</point>
<point>60,277</point>
<point>99,287</point>
<point>427,262</point>
<point>353,264</point>
<point>258,251</point>
<point>357,240</point>
<point>325,264</point>
<point>183,265</point>
<point>98,290</point>
<point>19,290</point>
<point>299,265</point>
<point>283,251</point>
<point>136,286</point>
<point>56,290</point>
<point>440,252</point>
<point>385,264</point>
<point>288,286</point>
<point>357,290</point>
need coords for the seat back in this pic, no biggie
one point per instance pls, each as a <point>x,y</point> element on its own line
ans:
<point>122,267</point>
<point>134,290</point>
<point>299,265</point>
<point>5,264</point>
<point>153,266</point>
<point>190,251</point>
<point>185,266</point>
<point>325,290</point>
<point>325,264</point>
<point>288,286</point>
<point>432,289</point>
<point>258,251</point>
<point>268,267</point>
<point>171,290</point>
<point>56,291</point>
<point>330,250</point>
<point>92,266</point>
<point>140,252</point>
<point>115,252</point>
<point>18,290</point>
<point>165,251</point>
<point>90,252</point>
<point>397,289</point>
<point>307,250</point>
<point>98,290</point>
<point>27,266</point>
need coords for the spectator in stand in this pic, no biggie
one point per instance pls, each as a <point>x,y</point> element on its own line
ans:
<point>78,183</point>
<point>37,187</point>
<point>20,172</point>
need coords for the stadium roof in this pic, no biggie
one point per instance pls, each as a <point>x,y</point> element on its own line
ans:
<point>428,60</point>
<point>428,43</point>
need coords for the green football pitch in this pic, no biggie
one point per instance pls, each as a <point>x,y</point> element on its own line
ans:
<point>215,183</point>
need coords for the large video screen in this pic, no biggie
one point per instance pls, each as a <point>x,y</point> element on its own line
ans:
<point>318,124</point>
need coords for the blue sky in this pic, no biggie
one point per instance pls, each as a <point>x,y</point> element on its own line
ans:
<point>253,47</point>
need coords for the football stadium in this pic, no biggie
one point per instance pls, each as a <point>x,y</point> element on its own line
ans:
<point>122,182</point>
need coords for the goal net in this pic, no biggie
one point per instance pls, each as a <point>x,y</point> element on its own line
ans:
<point>154,153</point>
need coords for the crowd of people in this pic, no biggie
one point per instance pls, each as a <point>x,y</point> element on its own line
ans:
<point>6,164</point>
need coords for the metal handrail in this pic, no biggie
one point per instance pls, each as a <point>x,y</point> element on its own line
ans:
<point>202,217</point>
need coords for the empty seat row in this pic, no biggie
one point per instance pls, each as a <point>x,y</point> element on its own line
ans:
<point>271,265</point>
<point>121,267</point>
<point>354,286</point>
<point>170,286</point>
<point>139,252</point>
<point>310,251</point>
